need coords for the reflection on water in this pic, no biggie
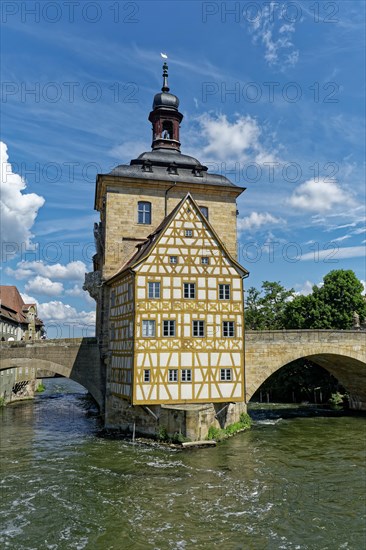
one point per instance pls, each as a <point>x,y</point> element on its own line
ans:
<point>288,483</point>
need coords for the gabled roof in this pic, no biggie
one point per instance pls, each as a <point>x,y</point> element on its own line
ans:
<point>144,248</point>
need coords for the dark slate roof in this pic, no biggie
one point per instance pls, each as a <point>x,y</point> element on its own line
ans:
<point>166,100</point>
<point>169,165</point>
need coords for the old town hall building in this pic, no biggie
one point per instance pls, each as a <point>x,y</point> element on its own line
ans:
<point>168,287</point>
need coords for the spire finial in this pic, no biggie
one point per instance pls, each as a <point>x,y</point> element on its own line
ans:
<point>165,87</point>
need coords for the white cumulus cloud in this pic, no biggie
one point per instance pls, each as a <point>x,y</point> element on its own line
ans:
<point>319,196</point>
<point>305,288</point>
<point>43,285</point>
<point>62,318</point>
<point>66,318</point>
<point>72,271</point>
<point>18,210</point>
<point>257,220</point>
<point>78,292</point>
<point>240,140</point>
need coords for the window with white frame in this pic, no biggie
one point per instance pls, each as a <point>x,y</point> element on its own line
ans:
<point>173,375</point>
<point>144,212</point>
<point>228,329</point>
<point>189,290</point>
<point>198,328</point>
<point>154,290</point>
<point>173,259</point>
<point>226,375</point>
<point>148,328</point>
<point>224,292</point>
<point>186,375</point>
<point>188,233</point>
<point>205,260</point>
<point>168,328</point>
<point>147,375</point>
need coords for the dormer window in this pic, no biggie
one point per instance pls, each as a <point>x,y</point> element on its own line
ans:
<point>144,212</point>
<point>173,169</point>
<point>147,166</point>
<point>197,172</point>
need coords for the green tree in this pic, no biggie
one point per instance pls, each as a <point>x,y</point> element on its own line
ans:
<point>331,306</point>
<point>265,309</point>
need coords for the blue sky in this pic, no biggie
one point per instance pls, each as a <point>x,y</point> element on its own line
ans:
<point>272,97</point>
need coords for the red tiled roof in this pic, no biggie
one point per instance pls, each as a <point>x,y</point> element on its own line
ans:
<point>12,305</point>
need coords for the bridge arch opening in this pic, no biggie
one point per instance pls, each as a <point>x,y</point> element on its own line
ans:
<point>300,381</point>
<point>314,378</point>
<point>25,366</point>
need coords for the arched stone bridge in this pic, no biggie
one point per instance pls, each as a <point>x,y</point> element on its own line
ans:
<point>342,353</point>
<point>75,358</point>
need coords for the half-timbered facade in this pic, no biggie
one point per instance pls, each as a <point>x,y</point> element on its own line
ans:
<point>176,317</point>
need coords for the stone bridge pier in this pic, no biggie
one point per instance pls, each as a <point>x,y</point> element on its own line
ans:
<point>340,352</point>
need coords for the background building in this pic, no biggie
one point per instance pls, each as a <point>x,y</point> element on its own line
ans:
<point>18,320</point>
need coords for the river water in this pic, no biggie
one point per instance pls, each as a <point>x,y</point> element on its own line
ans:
<point>294,483</point>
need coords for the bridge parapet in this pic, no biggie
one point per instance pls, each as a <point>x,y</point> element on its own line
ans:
<point>311,335</point>
<point>51,342</point>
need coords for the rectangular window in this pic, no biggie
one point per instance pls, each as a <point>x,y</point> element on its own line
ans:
<point>147,375</point>
<point>224,292</point>
<point>148,328</point>
<point>205,260</point>
<point>189,290</point>
<point>173,375</point>
<point>198,328</point>
<point>144,212</point>
<point>228,329</point>
<point>173,259</point>
<point>225,375</point>
<point>154,290</point>
<point>168,328</point>
<point>204,211</point>
<point>186,375</point>
<point>188,233</point>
